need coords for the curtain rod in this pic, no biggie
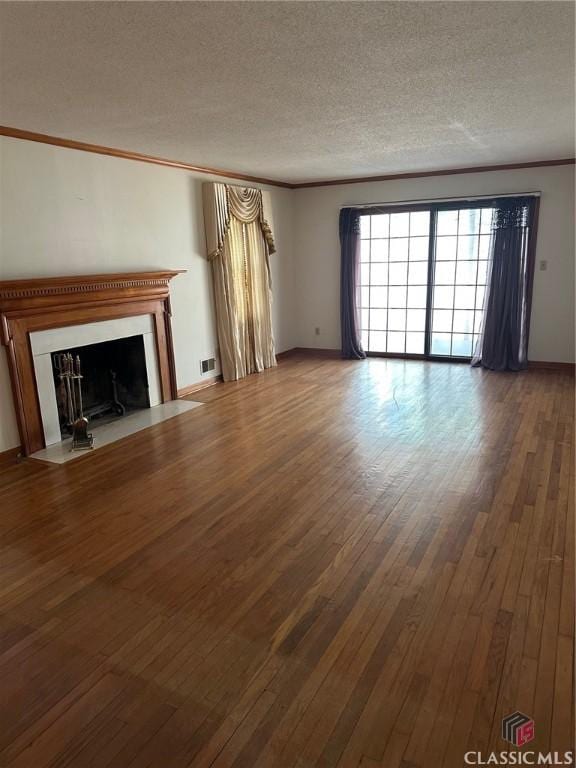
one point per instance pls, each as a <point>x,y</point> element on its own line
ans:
<point>440,200</point>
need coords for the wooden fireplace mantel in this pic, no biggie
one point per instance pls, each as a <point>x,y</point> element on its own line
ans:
<point>27,306</point>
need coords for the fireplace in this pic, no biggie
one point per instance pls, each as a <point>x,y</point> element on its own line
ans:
<point>125,346</point>
<point>126,315</point>
<point>114,380</point>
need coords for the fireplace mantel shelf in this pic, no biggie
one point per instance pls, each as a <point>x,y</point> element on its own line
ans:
<point>27,306</point>
<point>43,292</point>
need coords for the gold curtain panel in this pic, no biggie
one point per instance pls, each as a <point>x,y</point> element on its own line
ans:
<point>239,241</point>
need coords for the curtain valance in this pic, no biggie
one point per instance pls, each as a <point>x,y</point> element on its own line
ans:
<point>246,204</point>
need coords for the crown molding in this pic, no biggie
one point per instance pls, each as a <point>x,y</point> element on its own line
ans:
<point>441,172</point>
<point>57,141</point>
<point>18,133</point>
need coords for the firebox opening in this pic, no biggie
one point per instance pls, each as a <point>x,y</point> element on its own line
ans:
<point>114,380</point>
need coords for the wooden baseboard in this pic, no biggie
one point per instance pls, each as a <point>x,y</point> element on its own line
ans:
<point>336,353</point>
<point>312,351</point>
<point>283,355</point>
<point>208,382</point>
<point>9,456</point>
<point>552,366</point>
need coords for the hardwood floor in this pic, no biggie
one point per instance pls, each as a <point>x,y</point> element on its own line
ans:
<point>330,564</point>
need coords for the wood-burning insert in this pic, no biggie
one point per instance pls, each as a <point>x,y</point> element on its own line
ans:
<point>30,306</point>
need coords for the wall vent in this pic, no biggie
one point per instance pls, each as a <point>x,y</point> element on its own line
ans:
<point>207,365</point>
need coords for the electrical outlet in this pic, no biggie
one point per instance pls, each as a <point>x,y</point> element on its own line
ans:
<point>317,331</point>
<point>543,265</point>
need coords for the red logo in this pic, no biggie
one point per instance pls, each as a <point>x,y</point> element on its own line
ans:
<point>518,729</point>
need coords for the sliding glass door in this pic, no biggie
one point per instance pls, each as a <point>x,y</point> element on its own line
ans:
<point>422,279</point>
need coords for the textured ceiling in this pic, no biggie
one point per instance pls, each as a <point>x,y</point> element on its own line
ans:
<point>296,90</point>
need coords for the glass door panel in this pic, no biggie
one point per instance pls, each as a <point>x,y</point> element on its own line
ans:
<point>394,280</point>
<point>459,280</point>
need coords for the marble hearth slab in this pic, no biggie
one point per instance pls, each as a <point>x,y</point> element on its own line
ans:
<point>60,453</point>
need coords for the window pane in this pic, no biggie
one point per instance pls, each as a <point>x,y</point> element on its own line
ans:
<point>396,319</point>
<point>486,220</point>
<point>364,273</point>
<point>480,296</point>
<point>365,250</point>
<point>443,297</point>
<point>379,250</point>
<point>398,273</point>
<point>478,315</point>
<point>364,339</point>
<point>466,272</point>
<point>399,223</point>
<point>378,319</point>
<point>484,248</point>
<point>416,319</point>
<point>417,296</point>
<point>380,225</point>
<point>444,272</point>
<point>396,341</point>
<point>419,223</point>
<point>462,344</point>
<point>463,321</point>
<point>442,320</point>
<point>482,272</point>
<point>379,274</point>
<point>378,297</point>
<point>364,322</point>
<point>399,249</point>
<point>415,343</point>
<point>418,273</point>
<point>377,341</point>
<point>364,226</point>
<point>440,343</point>
<point>465,296</point>
<point>469,221</point>
<point>467,247</point>
<point>365,297</point>
<point>446,248</point>
<point>419,248</point>
<point>447,223</point>
<point>397,297</point>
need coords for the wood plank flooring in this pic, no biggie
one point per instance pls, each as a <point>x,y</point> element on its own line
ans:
<point>330,564</point>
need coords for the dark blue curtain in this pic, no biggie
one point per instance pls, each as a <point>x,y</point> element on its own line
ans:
<point>503,344</point>
<point>349,277</point>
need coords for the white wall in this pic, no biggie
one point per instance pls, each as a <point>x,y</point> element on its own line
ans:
<point>69,212</point>
<point>317,276</point>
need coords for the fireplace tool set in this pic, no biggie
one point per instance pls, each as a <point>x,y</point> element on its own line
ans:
<point>70,374</point>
